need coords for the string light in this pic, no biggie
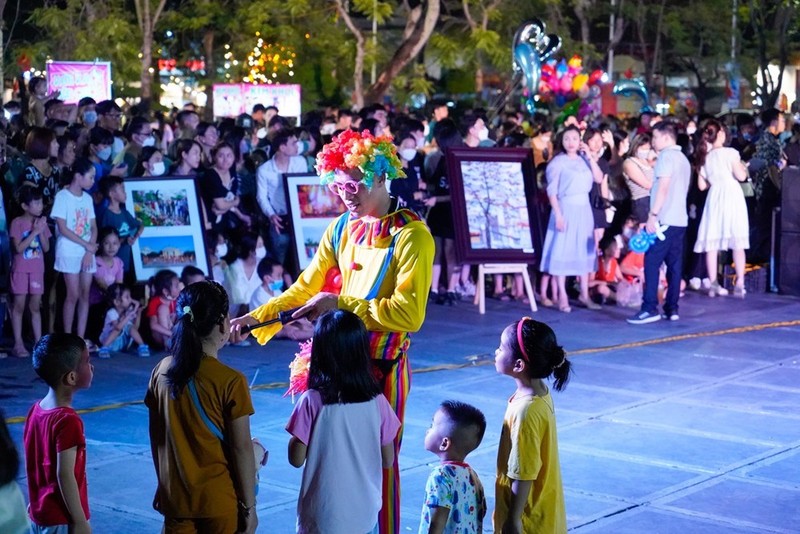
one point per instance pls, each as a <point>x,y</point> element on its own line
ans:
<point>269,63</point>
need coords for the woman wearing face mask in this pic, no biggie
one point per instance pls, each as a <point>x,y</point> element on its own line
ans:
<point>241,276</point>
<point>638,172</point>
<point>140,135</point>
<point>150,163</point>
<point>220,190</point>
<point>407,190</point>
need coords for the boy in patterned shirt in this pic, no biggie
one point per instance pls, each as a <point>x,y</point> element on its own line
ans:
<point>454,498</point>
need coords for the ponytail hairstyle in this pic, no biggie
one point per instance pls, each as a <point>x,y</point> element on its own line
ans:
<point>202,307</point>
<point>340,369</point>
<point>535,343</point>
<point>80,166</point>
<point>708,135</point>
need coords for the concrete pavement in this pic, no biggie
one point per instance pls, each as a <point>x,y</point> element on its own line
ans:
<point>673,427</point>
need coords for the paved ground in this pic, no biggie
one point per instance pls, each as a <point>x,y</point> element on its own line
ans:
<point>678,427</point>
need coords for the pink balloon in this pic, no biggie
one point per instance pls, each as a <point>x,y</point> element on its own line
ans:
<point>566,84</point>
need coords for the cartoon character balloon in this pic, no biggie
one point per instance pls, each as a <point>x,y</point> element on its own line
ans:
<point>530,48</point>
<point>634,87</point>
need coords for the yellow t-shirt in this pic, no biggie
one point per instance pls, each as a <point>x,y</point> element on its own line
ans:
<point>529,451</point>
<point>195,476</point>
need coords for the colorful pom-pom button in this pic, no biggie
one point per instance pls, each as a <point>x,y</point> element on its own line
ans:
<point>355,266</point>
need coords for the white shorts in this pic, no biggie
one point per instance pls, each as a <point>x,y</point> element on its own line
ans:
<point>72,265</point>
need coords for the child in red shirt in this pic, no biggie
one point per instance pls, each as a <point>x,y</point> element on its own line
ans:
<point>604,282</point>
<point>161,308</point>
<point>55,445</point>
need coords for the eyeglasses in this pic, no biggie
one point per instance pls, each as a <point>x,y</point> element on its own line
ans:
<point>349,187</point>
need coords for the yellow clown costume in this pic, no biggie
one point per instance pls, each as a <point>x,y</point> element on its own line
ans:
<point>386,266</point>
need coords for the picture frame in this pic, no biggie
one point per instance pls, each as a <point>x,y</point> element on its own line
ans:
<point>311,207</point>
<point>170,209</point>
<point>497,210</point>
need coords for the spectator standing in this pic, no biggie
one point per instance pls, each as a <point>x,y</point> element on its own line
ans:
<point>673,174</point>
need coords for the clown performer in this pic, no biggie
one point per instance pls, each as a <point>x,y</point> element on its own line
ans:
<point>385,255</point>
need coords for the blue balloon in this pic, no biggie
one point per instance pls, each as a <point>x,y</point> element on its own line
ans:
<point>641,241</point>
<point>527,59</point>
<point>634,87</point>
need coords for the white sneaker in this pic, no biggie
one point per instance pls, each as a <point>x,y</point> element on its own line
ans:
<point>694,284</point>
<point>468,288</point>
<point>706,284</point>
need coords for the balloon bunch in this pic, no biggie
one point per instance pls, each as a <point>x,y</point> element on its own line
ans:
<point>567,81</point>
<point>532,46</point>
<point>642,240</point>
<point>633,87</point>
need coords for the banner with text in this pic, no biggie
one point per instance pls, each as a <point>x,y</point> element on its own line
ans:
<point>77,79</point>
<point>231,99</point>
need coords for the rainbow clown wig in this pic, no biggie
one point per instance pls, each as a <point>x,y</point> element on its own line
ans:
<point>373,156</point>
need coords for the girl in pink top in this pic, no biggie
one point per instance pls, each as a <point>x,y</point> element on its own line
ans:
<point>342,430</point>
<point>109,267</point>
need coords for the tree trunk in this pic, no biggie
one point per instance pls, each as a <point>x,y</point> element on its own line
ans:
<point>581,8</point>
<point>358,69</point>
<point>211,72</point>
<point>408,50</point>
<point>147,63</point>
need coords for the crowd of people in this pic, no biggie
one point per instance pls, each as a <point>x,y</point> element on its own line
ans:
<point>701,186</point>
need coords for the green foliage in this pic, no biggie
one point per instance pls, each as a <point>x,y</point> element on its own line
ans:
<point>85,30</point>
<point>374,9</point>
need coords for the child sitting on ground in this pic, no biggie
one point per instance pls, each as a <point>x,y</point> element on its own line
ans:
<point>121,325</point>
<point>191,274</point>
<point>454,498</point>
<point>270,272</point>
<point>161,308</point>
<point>603,283</point>
<point>55,444</point>
<point>30,240</point>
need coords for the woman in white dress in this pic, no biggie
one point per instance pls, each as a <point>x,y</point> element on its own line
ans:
<point>724,225</point>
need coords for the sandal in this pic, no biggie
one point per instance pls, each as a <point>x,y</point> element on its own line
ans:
<point>590,304</point>
<point>739,292</point>
<point>505,296</point>
<point>564,307</point>
<point>547,303</point>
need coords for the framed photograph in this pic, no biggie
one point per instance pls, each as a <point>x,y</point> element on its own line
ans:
<point>496,209</point>
<point>312,207</point>
<point>173,235</point>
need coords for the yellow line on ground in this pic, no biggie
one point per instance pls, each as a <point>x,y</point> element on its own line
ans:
<point>479,359</point>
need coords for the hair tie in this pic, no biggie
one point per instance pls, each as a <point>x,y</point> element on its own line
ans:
<point>519,338</point>
<point>188,311</point>
<point>563,360</point>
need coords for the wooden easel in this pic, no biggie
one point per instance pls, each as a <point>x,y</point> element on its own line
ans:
<point>501,268</point>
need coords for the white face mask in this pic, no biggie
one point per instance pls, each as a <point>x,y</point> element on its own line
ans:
<point>222,250</point>
<point>149,141</point>
<point>261,252</point>
<point>483,135</point>
<point>407,153</point>
<point>642,154</point>
<point>327,129</point>
<point>261,133</point>
<point>690,130</point>
<point>426,130</point>
<point>104,154</point>
<point>158,168</point>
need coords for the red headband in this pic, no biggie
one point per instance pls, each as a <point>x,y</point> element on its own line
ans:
<point>519,338</point>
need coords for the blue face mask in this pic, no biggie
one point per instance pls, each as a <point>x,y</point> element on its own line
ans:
<point>276,285</point>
